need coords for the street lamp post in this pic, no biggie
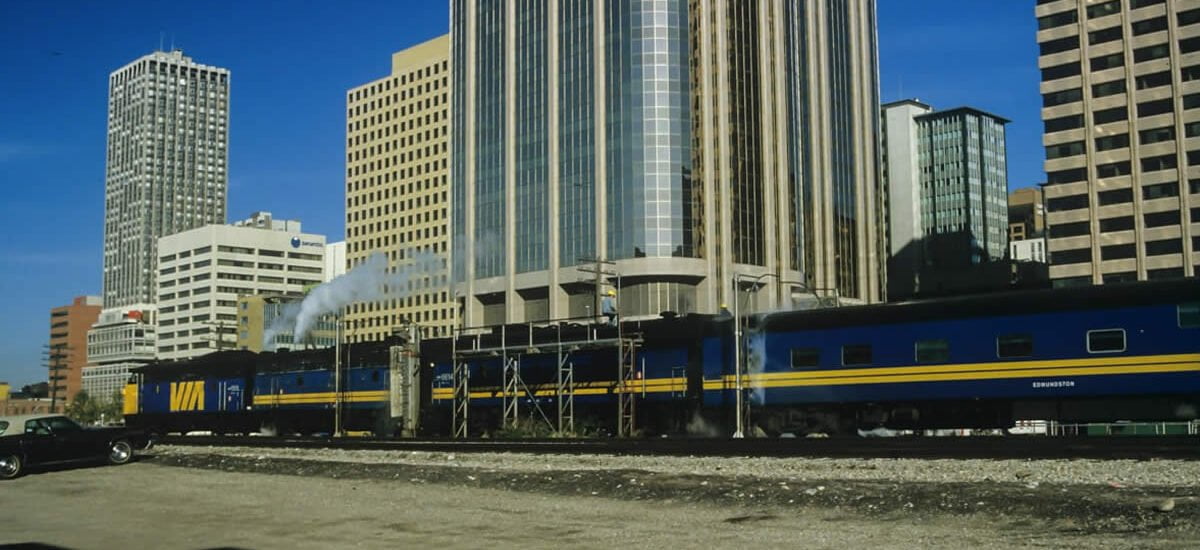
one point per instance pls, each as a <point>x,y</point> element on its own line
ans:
<point>737,345</point>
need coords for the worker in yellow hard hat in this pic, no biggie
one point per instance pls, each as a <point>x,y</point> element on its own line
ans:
<point>608,307</point>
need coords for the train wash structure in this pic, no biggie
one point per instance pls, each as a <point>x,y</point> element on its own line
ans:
<point>559,339</point>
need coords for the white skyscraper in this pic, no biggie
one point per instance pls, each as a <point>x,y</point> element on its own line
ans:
<point>166,168</point>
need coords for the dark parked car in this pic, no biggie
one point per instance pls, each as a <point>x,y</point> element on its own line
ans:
<point>35,440</point>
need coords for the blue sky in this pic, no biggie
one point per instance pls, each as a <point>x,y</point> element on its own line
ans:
<point>291,64</point>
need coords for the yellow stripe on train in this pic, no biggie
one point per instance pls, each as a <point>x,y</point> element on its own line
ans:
<point>1148,364</point>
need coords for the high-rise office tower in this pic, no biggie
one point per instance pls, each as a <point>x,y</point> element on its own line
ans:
<point>168,135</point>
<point>689,142</point>
<point>946,180</point>
<point>1121,107</point>
<point>397,150</point>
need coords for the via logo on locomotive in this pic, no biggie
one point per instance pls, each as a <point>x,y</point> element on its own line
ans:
<point>187,396</point>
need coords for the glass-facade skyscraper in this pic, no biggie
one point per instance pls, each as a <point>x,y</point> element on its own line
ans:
<point>688,141</point>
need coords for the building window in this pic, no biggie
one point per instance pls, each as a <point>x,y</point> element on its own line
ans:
<point>1118,252</point>
<point>1072,229</point>
<point>1061,45</point>
<point>1106,341</point>
<point>1104,35</point>
<point>1115,196</point>
<point>1070,202</point>
<point>1073,256</point>
<point>1156,135</point>
<point>1112,142</point>
<point>1160,190</point>
<point>1107,62</point>
<point>1160,219</point>
<point>1164,247</point>
<point>1122,223</point>
<point>1107,8</point>
<point>1153,80</point>
<point>1066,96</point>
<point>1057,19</point>
<point>1110,115</point>
<point>1151,108</point>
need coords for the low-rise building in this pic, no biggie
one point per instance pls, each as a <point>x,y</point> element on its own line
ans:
<point>121,339</point>
<point>257,331</point>
<point>66,353</point>
<point>335,260</point>
<point>1028,250</point>
<point>1026,214</point>
<point>203,272</point>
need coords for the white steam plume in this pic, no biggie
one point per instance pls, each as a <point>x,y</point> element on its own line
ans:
<point>369,281</point>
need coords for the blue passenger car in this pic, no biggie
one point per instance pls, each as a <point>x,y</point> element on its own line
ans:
<point>1080,354</point>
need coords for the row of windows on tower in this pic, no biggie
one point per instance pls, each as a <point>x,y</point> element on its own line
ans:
<point>1112,7</point>
<point>1122,168</point>
<point>1120,223</point>
<point>1120,196</point>
<point>385,101</point>
<point>1121,113</point>
<point>395,82</point>
<point>1122,251</point>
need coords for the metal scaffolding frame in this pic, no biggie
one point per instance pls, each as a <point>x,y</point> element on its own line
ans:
<point>473,342</point>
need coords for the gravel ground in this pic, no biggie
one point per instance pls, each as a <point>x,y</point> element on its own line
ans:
<point>1051,503</point>
<point>1125,472</point>
<point>145,505</point>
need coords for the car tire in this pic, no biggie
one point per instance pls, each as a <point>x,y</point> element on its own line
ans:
<point>120,452</point>
<point>10,466</point>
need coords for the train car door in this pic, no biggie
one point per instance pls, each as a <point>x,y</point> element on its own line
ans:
<point>232,397</point>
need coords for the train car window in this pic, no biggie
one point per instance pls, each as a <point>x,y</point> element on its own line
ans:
<point>805,358</point>
<point>299,380</point>
<point>1189,315</point>
<point>932,351</point>
<point>1014,345</point>
<point>856,354</point>
<point>1106,341</point>
<point>375,376</point>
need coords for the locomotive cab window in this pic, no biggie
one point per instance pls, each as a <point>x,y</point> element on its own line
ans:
<point>856,354</point>
<point>932,351</point>
<point>1106,341</point>
<point>805,358</point>
<point>1014,345</point>
<point>1189,315</point>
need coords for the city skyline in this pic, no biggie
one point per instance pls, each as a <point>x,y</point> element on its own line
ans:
<point>286,150</point>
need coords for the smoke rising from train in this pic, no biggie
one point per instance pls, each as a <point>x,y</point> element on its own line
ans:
<point>371,281</point>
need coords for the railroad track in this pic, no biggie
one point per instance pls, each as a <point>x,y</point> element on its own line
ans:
<point>996,447</point>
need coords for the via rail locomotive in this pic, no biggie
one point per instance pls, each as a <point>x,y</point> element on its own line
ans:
<point>1089,354</point>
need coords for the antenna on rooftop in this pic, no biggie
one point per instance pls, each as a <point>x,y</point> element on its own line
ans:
<point>160,40</point>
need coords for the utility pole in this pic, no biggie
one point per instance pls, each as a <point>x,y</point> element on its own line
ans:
<point>600,272</point>
<point>219,333</point>
<point>54,355</point>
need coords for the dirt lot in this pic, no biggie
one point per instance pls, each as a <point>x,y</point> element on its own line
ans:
<point>203,500</point>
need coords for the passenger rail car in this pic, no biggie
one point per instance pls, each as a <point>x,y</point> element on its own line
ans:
<point>1105,353</point>
<point>1113,352</point>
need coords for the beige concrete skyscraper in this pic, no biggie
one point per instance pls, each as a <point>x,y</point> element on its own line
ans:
<point>166,168</point>
<point>1121,107</point>
<point>690,142</point>
<point>396,185</point>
